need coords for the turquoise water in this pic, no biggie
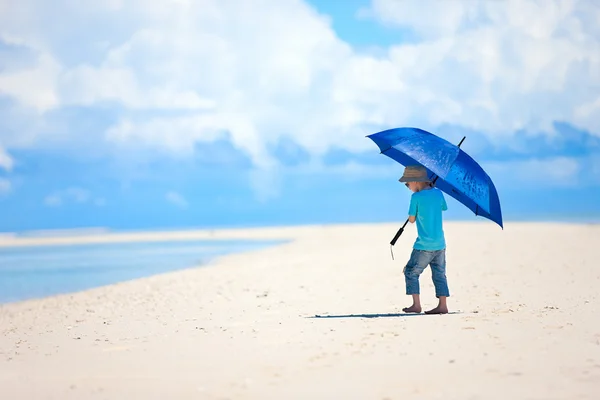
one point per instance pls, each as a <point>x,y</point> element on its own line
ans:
<point>40,271</point>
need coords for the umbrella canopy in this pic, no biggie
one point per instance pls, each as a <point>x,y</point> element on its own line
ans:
<point>457,173</point>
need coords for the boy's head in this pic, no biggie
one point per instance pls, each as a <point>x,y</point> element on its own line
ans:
<point>415,178</point>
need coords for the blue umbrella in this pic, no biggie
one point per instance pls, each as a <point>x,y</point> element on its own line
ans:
<point>451,169</point>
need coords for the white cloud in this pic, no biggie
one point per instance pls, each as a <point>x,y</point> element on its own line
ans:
<point>33,87</point>
<point>498,66</point>
<point>587,114</point>
<point>176,199</point>
<point>432,19</point>
<point>72,195</point>
<point>6,161</point>
<point>78,195</point>
<point>538,172</point>
<point>443,17</point>
<point>53,200</point>
<point>5,186</point>
<point>85,85</point>
<point>189,71</point>
<point>176,135</point>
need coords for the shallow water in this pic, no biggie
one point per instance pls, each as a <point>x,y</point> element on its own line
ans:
<point>40,271</point>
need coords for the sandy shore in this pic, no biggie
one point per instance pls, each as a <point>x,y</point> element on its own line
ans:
<point>524,325</point>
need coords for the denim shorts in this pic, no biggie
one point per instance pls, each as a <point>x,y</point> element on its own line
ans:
<point>419,260</point>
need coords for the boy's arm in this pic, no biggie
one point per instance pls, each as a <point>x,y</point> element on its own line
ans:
<point>412,209</point>
<point>444,205</point>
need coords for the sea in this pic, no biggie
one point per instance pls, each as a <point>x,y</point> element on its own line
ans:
<point>41,271</point>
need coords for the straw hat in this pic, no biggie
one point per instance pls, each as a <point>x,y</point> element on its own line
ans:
<point>415,173</point>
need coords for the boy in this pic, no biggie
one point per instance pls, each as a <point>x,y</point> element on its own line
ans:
<point>426,206</point>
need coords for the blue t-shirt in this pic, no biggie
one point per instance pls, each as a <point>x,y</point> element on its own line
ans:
<point>427,205</point>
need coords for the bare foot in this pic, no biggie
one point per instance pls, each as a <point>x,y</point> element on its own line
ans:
<point>438,310</point>
<point>412,309</point>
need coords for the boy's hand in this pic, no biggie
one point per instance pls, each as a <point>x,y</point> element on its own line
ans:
<point>412,218</point>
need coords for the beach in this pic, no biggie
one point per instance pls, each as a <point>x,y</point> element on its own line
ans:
<point>320,317</point>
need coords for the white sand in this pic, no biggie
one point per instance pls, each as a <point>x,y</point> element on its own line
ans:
<point>526,325</point>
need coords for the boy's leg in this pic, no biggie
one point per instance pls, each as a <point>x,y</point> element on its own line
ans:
<point>413,269</point>
<point>416,305</point>
<point>438,275</point>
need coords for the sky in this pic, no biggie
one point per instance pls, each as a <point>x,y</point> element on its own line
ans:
<point>169,114</point>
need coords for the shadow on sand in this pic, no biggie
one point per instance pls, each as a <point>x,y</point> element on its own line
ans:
<point>380,315</point>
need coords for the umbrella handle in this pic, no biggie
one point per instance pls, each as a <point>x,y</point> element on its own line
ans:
<point>393,242</point>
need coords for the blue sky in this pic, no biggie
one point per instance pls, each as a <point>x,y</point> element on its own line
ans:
<point>175,113</point>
